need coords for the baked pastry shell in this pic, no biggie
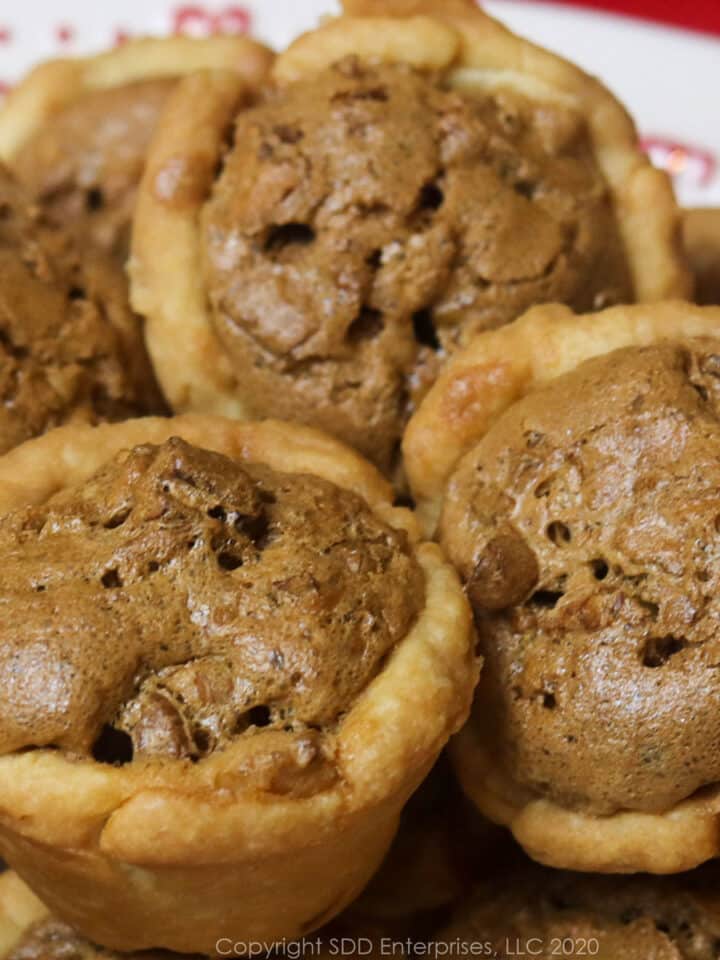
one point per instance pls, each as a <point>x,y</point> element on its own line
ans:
<point>701,236</point>
<point>479,384</point>
<point>676,840</point>
<point>456,39</point>
<point>19,910</point>
<point>56,84</point>
<point>177,855</point>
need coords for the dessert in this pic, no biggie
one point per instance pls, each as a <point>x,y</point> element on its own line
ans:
<point>382,204</point>
<point>226,663</point>
<point>71,349</point>
<point>531,909</point>
<point>701,234</point>
<point>545,914</point>
<point>582,518</point>
<point>76,131</point>
<point>230,664</point>
<point>497,368</point>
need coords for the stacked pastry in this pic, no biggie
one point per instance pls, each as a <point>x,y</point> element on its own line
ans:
<point>353,405</point>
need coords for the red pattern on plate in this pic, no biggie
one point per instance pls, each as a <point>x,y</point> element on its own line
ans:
<point>682,159</point>
<point>687,162</point>
<point>703,15</point>
<point>64,33</point>
<point>200,21</point>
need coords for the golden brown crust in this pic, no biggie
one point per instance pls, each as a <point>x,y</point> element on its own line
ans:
<point>500,366</point>
<point>701,235</point>
<point>195,373</point>
<point>56,83</point>
<point>628,842</point>
<point>476,53</point>
<point>153,839</point>
<point>35,470</point>
<point>76,132</point>
<point>422,41</point>
<point>19,909</point>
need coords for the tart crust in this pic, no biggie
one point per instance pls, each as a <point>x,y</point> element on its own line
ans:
<point>496,370</point>
<point>19,910</point>
<point>627,842</point>
<point>55,84</point>
<point>184,853</point>
<point>455,39</point>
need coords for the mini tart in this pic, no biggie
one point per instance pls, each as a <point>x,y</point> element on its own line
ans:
<point>71,349</point>
<point>284,308</point>
<point>548,913</point>
<point>701,235</point>
<point>500,366</point>
<point>591,737</point>
<point>274,833</point>
<point>76,131</point>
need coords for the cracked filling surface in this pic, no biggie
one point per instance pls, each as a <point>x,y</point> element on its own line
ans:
<point>85,163</point>
<point>586,526</point>
<point>368,221</point>
<point>178,600</point>
<point>634,918</point>
<point>70,346</point>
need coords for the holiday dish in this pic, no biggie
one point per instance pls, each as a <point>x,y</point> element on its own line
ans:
<point>359,471</point>
<point>331,246</point>
<point>582,517</point>
<point>229,663</point>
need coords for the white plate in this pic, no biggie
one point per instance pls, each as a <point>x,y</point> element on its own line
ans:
<point>670,79</point>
